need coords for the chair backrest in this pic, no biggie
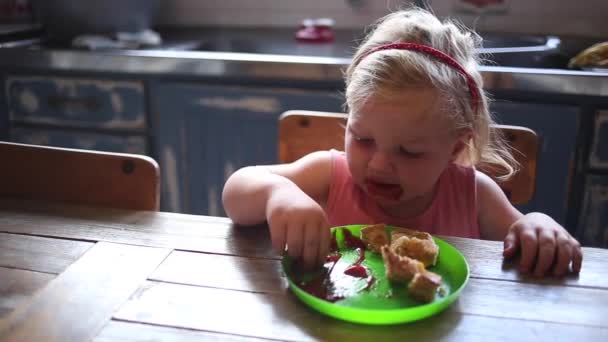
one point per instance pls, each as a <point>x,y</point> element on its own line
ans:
<point>86,177</point>
<point>302,132</point>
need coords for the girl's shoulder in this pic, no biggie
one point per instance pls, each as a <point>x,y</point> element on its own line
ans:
<point>458,179</point>
<point>460,175</point>
<point>317,160</point>
<point>485,183</point>
<point>312,173</point>
<point>339,164</point>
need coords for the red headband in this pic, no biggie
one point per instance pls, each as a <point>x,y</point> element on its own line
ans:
<point>441,56</point>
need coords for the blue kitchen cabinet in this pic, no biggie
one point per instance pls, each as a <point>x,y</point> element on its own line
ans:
<point>598,158</point>
<point>206,132</point>
<point>593,220</point>
<point>3,113</point>
<point>557,128</point>
<point>76,102</point>
<point>76,112</point>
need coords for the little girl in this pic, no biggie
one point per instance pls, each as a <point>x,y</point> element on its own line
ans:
<point>418,123</point>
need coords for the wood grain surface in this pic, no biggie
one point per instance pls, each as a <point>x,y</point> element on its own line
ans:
<point>167,230</point>
<point>39,253</point>
<point>17,286</point>
<point>137,332</point>
<point>76,273</point>
<point>73,306</point>
<point>217,235</point>
<point>281,316</point>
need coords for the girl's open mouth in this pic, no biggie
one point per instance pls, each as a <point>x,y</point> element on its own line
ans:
<point>389,191</point>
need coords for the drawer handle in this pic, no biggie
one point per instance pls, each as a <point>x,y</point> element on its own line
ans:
<point>90,104</point>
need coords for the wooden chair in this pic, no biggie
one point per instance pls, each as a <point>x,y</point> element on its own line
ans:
<point>85,177</point>
<point>302,132</point>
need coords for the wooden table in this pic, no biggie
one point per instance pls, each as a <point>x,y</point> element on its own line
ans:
<point>70,273</point>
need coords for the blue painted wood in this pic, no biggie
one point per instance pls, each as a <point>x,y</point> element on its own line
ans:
<point>207,132</point>
<point>80,140</point>
<point>598,158</point>
<point>593,223</point>
<point>557,127</point>
<point>3,112</point>
<point>76,102</point>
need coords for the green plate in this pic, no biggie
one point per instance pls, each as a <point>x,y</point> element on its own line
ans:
<point>383,302</point>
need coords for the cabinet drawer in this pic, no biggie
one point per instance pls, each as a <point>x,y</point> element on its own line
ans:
<point>593,223</point>
<point>598,157</point>
<point>76,102</point>
<point>88,141</point>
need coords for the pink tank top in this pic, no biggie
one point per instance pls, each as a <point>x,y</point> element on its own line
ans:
<point>452,213</point>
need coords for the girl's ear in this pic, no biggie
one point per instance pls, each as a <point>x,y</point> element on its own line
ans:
<point>463,141</point>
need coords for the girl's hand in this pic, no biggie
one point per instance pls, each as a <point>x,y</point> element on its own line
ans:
<point>299,223</point>
<point>545,246</point>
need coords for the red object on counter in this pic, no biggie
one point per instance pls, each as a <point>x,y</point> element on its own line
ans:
<point>316,31</point>
<point>15,10</point>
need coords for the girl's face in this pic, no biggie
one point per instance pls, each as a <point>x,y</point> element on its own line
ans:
<point>397,149</point>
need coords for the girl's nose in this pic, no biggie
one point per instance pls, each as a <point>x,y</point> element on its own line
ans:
<point>381,161</point>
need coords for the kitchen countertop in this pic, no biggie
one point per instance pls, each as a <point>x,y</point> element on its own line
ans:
<point>269,54</point>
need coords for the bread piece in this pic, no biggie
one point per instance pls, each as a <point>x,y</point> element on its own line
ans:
<point>398,232</point>
<point>400,268</point>
<point>425,250</point>
<point>424,286</point>
<point>375,237</point>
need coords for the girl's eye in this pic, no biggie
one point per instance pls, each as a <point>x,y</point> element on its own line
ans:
<point>364,141</point>
<point>409,154</point>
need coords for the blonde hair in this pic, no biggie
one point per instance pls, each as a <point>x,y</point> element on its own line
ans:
<point>388,72</point>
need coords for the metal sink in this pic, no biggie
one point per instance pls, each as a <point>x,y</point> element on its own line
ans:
<point>497,49</point>
<point>518,42</point>
<point>522,51</point>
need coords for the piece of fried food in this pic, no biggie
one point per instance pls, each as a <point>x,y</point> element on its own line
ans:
<point>398,232</point>
<point>400,268</point>
<point>424,250</point>
<point>375,236</point>
<point>424,286</point>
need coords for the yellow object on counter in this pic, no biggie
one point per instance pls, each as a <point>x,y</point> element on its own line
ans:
<point>594,56</point>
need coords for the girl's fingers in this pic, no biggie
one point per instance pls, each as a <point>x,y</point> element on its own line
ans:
<point>511,244</point>
<point>324,237</point>
<point>311,245</point>
<point>577,256</point>
<point>546,252</point>
<point>295,240</point>
<point>529,247</point>
<point>564,255</point>
<point>278,236</point>
<point>545,246</point>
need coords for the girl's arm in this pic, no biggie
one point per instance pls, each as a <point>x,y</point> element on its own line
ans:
<point>495,212</point>
<point>248,190</point>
